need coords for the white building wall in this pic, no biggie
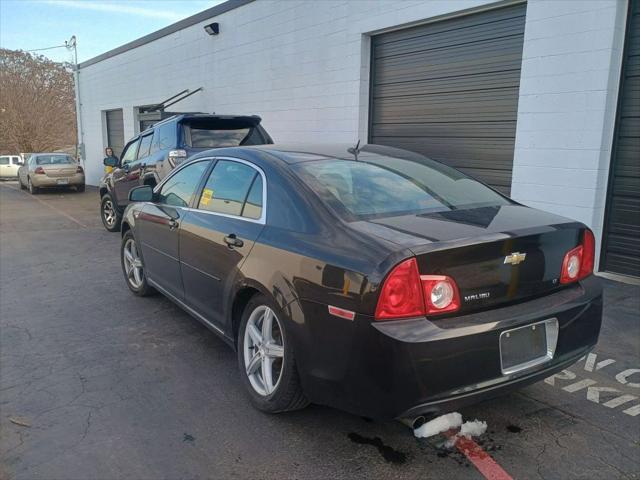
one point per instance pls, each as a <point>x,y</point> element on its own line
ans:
<point>566,113</point>
<point>304,67</point>
<point>301,65</point>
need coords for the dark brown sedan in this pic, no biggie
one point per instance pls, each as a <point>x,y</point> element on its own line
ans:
<point>375,280</point>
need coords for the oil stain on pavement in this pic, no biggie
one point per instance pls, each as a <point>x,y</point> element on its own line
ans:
<point>390,454</point>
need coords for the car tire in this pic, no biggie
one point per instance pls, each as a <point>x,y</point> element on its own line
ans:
<point>111,217</point>
<point>22,187</point>
<point>80,188</point>
<point>32,190</point>
<point>284,393</point>
<point>135,276</point>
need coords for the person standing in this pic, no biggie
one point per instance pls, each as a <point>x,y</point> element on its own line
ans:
<point>109,159</point>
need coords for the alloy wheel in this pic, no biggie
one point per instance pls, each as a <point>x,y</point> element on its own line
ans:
<point>109,213</point>
<point>133,264</point>
<point>263,350</point>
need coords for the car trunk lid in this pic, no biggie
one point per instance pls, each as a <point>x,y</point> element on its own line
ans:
<point>60,169</point>
<point>496,255</point>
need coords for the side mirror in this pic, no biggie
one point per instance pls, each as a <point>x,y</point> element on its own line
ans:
<point>110,162</point>
<point>143,193</point>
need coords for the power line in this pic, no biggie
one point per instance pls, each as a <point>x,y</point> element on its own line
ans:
<point>47,48</point>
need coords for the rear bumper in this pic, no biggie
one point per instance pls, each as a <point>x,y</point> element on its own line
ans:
<point>44,181</point>
<point>410,367</point>
<point>491,389</point>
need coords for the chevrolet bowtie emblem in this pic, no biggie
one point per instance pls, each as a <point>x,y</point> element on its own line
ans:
<point>515,258</point>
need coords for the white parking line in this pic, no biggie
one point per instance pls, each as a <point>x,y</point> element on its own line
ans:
<point>593,391</point>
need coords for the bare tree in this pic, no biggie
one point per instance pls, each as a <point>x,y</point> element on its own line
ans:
<point>37,103</point>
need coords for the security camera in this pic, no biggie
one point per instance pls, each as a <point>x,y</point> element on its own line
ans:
<point>212,28</point>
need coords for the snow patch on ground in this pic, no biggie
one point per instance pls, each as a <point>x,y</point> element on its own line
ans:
<point>473,429</point>
<point>439,425</point>
<point>448,422</point>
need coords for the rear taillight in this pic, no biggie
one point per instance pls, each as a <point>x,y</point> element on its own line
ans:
<point>177,156</point>
<point>578,262</point>
<point>39,171</point>
<point>401,294</point>
<point>406,294</point>
<point>79,169</point>
<point>440,294</point>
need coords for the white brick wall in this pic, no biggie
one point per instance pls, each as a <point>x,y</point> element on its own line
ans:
<point>304,67</point>
<point>566,112</point>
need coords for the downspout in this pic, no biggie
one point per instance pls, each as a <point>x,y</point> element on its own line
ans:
<point>76,80</point>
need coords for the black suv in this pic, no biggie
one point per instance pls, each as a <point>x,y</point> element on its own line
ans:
<point>152,154</point>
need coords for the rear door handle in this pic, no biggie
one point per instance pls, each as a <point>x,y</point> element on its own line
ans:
<point>173,224</point>
<point>233,241</point>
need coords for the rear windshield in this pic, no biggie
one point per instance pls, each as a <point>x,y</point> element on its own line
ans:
<point>227,133</point>
<point>53,159</point>
<point>383,186</point>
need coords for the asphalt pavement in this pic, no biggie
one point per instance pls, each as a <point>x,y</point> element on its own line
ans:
<point>96,383</point>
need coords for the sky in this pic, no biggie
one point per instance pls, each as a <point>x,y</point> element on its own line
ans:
<point>99,26</point>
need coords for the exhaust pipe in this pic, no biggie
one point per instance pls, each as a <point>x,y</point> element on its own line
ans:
<point>415,422</point>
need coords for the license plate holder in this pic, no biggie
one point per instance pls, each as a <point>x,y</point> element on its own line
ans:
<point>63,181</point>
<point>528,346</point>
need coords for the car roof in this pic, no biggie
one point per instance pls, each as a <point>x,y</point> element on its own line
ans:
<point>50,153</point>
<point>298,153</point>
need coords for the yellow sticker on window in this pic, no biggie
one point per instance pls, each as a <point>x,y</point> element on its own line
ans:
<point>207,195</point>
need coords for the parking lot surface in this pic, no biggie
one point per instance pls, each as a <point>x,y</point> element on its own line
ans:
<point>96,383</point>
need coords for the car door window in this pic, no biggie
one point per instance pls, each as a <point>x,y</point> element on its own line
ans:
<point>227,188</point>
<point>129,154</point>
<point>153,148</point>
<point>4,160</point>
<point>166,136</point>
<point>253,205</point>
<point>15,160</point>
<point>178,190</point>
<point>145,145</point>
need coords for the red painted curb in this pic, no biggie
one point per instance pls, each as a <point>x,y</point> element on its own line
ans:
<point>485,464</point>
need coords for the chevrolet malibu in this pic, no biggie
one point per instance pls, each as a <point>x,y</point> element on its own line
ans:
<point>376,280</point>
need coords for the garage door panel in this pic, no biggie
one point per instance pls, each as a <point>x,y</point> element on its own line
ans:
<point>624,216</point>
<point>621,241</point>
<point>458,25</point>
<point>630,127</point>
<point>627,186</point>
<point>463,60</point>
<point>624,264</point>
<point>464,107</point>
<point>502,79</point>
<point>449,90</point>
<point>632,68</point>
<point>634,38</point>
<point>449,39</point>
<point>627,164</point>
<point>115,130</point>
<point>491,153</point>
<point>465,129</point>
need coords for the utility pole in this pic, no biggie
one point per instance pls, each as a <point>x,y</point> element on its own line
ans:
<point>71,45</point>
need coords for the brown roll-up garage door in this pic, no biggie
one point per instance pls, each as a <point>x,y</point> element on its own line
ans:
<point>621,241</point>
<point>115,131</point>
<point>449,90</point>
